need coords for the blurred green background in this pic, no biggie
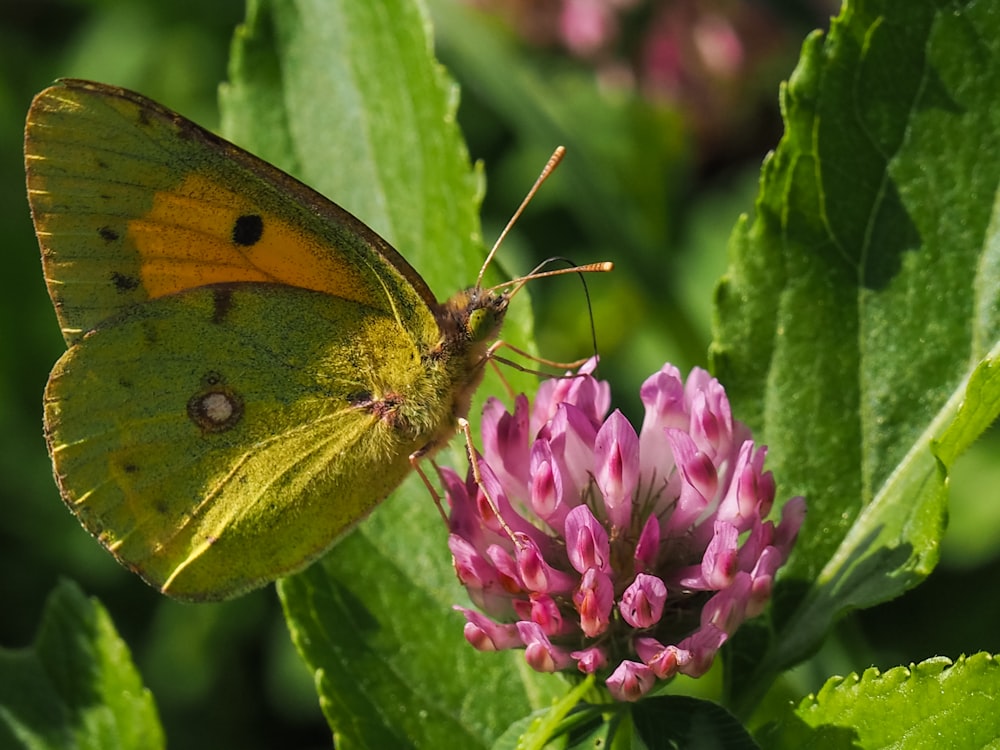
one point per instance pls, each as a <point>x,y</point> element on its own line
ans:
<point>667,110</point>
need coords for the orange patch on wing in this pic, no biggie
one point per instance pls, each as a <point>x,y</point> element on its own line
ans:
<point>187,240</point>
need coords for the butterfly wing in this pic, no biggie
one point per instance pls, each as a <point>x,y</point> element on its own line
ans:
<point>220,437</point>
<point>132,202</point>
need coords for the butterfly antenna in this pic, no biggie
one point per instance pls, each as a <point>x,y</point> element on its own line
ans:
<point>590,306</point>
<point>550,166</point>
<point>537,273</point>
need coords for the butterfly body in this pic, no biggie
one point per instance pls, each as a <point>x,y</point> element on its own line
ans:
<point>250,367</point>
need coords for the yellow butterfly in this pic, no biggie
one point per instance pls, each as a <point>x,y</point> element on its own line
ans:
<point>250,368</point>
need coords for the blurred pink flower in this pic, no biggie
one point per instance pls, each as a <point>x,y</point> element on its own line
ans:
<point>632,555</point>
<point>715,62</point>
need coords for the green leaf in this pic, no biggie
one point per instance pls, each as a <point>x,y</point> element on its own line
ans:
<point>932,704</point>
<point>676,721</point>
<point>536,731</point>
<point>670,721</point>
<point>858,328</point>
<point>349,98</point>
<point>375,624</point>
<point>76,686</point>
<point>364,117</point>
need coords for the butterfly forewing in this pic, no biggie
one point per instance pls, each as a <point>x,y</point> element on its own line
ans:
<point>132,202</point>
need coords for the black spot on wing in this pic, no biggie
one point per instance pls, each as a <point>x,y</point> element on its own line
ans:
<point>360,399</point>
<point>248,230</point>
<point>124,283</point>
<point>108,234</point>
<point>222,303</point>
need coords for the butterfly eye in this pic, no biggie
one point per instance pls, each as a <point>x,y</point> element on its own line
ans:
<point>483,323</point>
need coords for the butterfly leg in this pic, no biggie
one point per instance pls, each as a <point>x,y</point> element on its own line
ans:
<point>534,358</point>
<point>415,460</point>
<point>466,429</point>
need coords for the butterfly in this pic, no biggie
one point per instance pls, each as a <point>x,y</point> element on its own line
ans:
<point>249,368</point>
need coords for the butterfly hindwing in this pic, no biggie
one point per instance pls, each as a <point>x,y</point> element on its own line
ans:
<point>222,436</point>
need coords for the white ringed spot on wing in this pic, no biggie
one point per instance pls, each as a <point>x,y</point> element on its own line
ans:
<point>215,407</point>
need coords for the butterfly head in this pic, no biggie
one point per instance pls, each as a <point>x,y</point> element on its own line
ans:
<point>474,316</point>
<point>470,322</point>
